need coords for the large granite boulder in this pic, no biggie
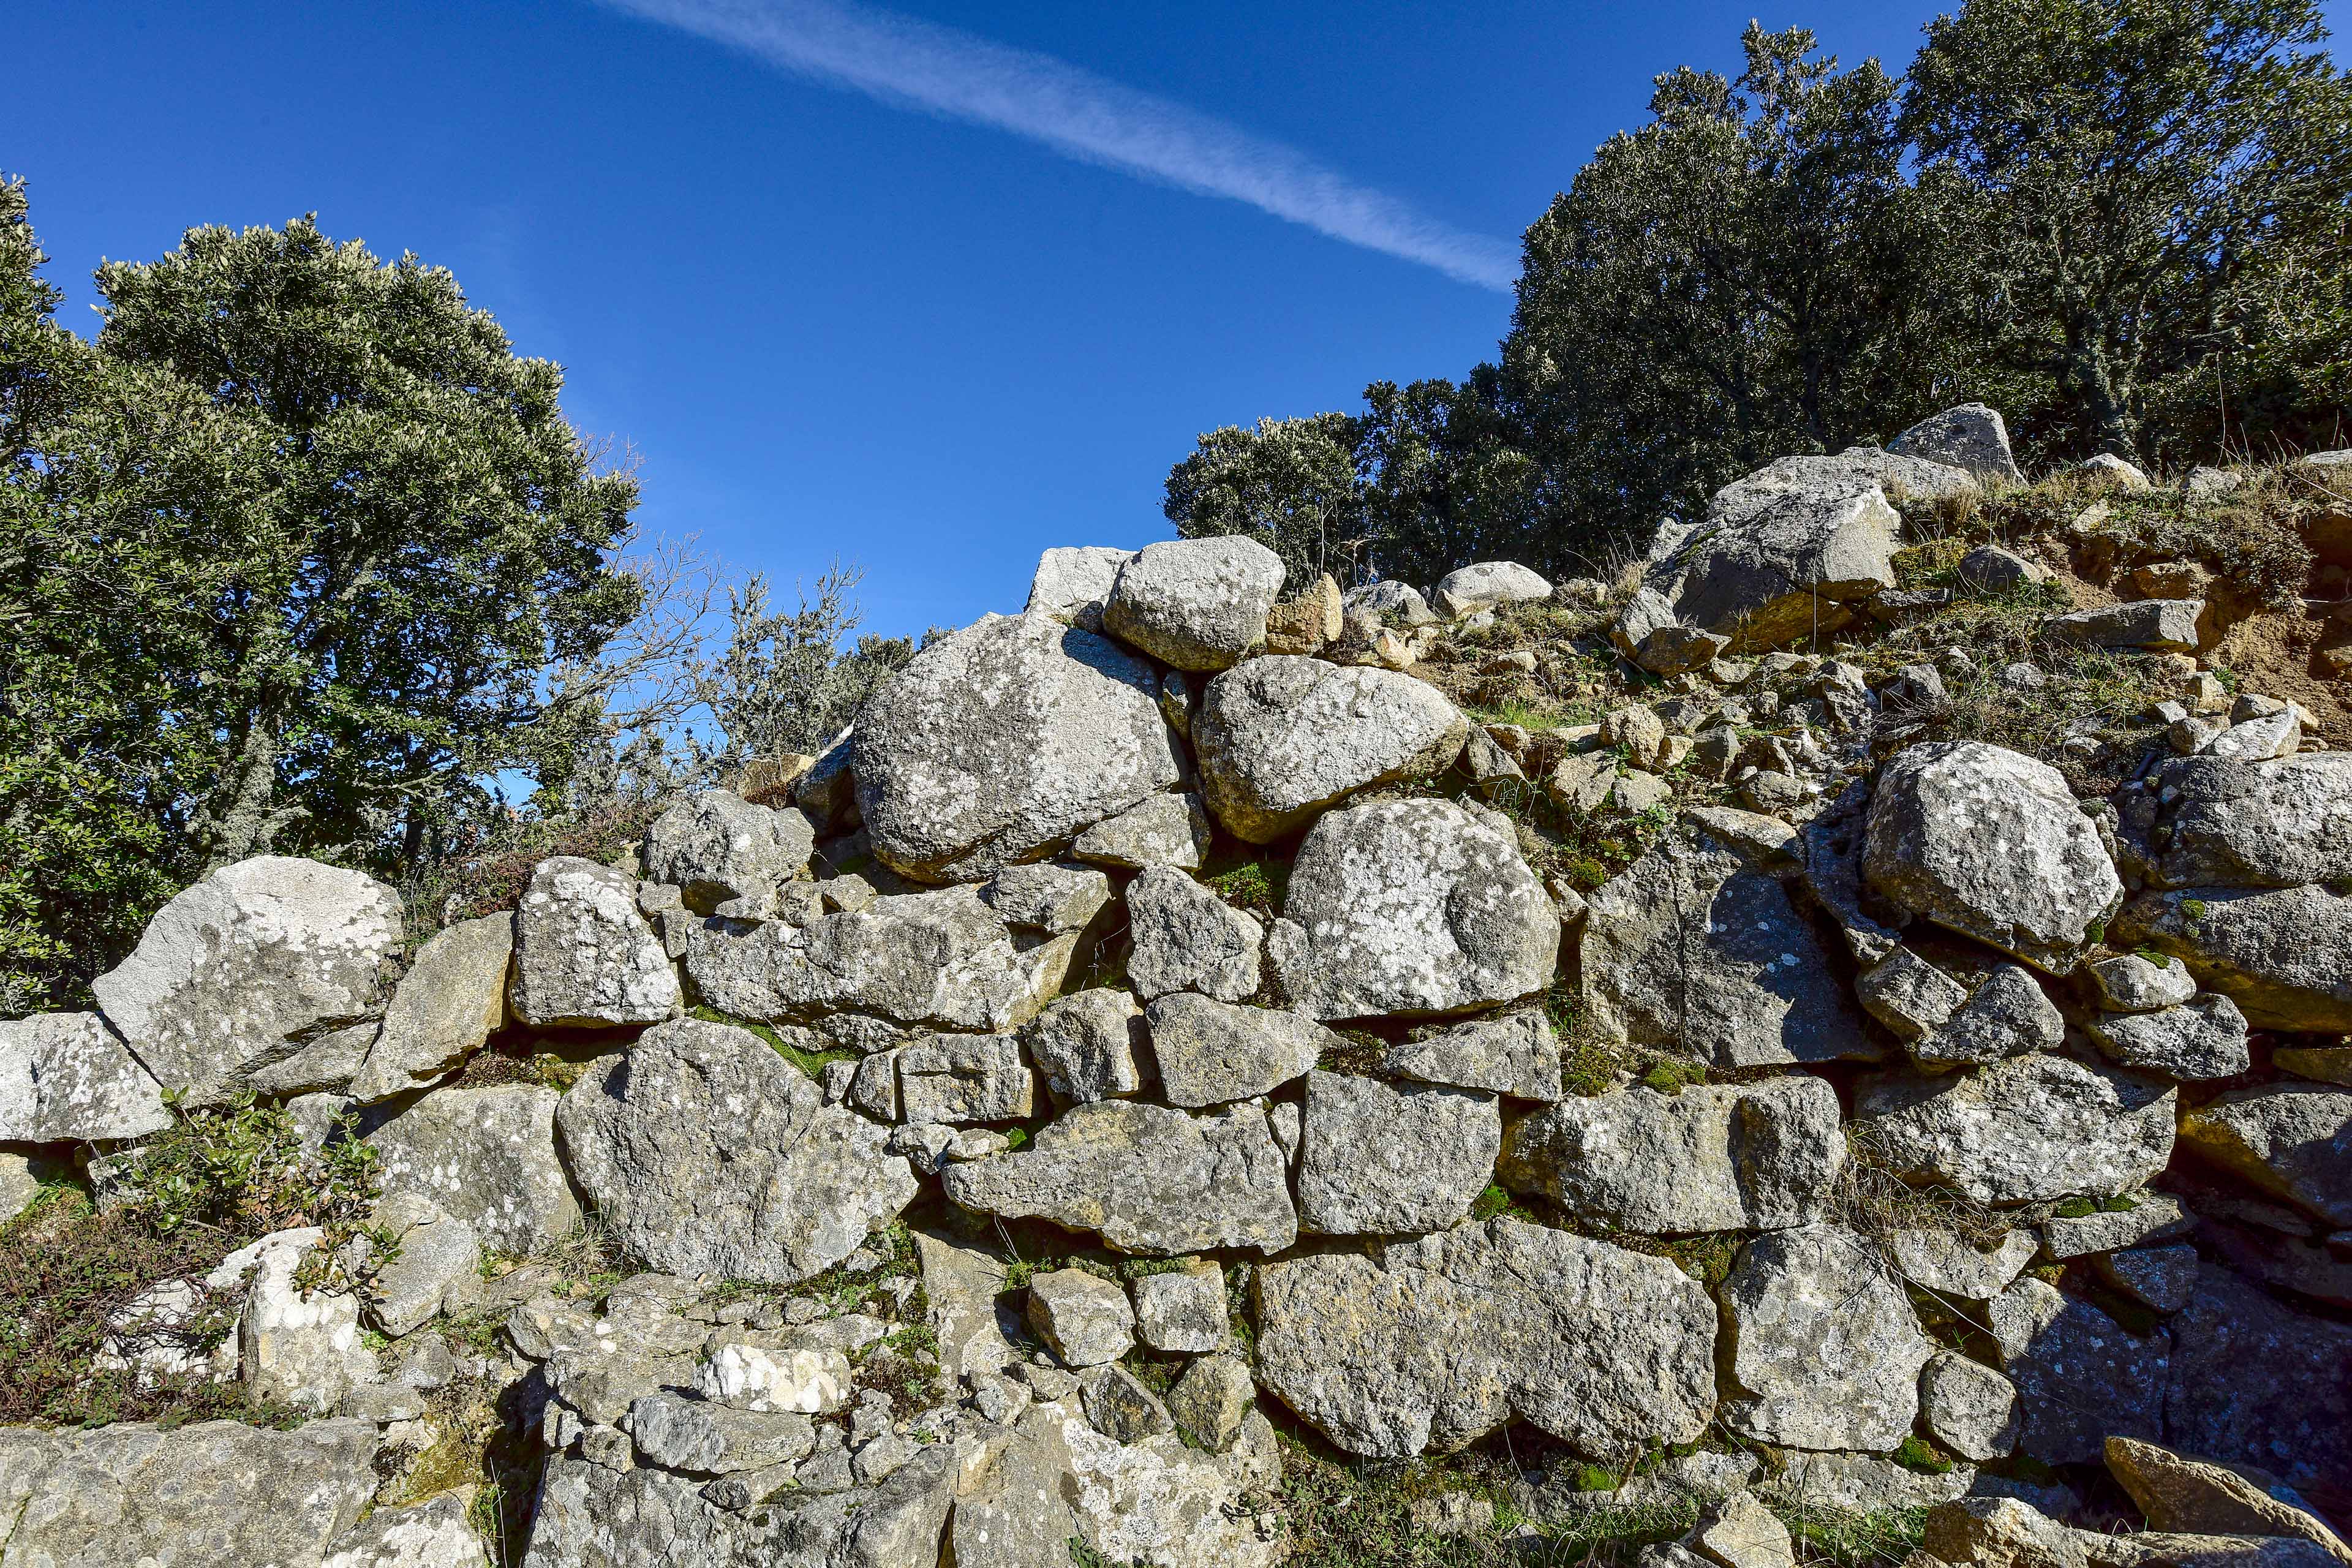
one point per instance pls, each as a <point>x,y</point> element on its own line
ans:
<point>66,1078</point>
<point>486,1156</point>
<point>1212,1053</point>
<point>1431,1344</point>
<point>2254,1382</point>
<point>1485,582</point>
<point>1379,1159</point>
<point>1185,938</point>
<point>1792,567</point>
<point>453,998</point>
<point>2292,1139</point>
<point>1073,583</point>
<point>2220,824</point>
<point>1281,738</point>
<point>1854,471</point>
<point>584,957</point>
<point>203,1495</point>
<point>1195,604</point>
<point>247,967</point>
<point>1412,907</point>
<point>944,957</point>
<point>1146,1178</point>
<point>1971,437</point>
<point>1005,741</point>
<point>1826,1350</point>
<point>1693,951</point>
<point>724,854</point>
<point>2032,1129</point>
<point>1730,1157</point>
<point>1990,843</point>
<point>708,1153</point>
<point>2283,955</point>
<point>2081,1376</point>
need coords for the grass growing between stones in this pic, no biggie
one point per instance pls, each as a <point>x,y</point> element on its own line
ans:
<point>813,1063</point>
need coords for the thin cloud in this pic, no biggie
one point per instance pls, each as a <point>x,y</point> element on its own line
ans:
<point>919,66</point>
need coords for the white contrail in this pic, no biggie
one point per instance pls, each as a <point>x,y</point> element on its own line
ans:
<point>1074,111</point>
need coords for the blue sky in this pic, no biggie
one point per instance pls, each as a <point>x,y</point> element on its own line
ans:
<point>828,324</point>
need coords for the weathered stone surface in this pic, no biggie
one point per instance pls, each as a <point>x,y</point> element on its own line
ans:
<point>1164,830</point>
<point>299,1347</point>
<point>2008,1015</point>
<point>2130,984</point>
<point>195,1496</point>
<point>1043,895</point>
<point>2321,1064</point>
<point>1306,623</point>
<point>1120,1407</point>
<point>809,1380</point>
<point>1910,994</point>
<point>1412,907</point>
<point>718,849</point>
<point>708,1154</point>
<point>436,1252</point>
<point>971,1312</point>
<point>2002,1532</point>
<point>1989,569</point>
<point>1485,582</point>
<point>66,1078</point>
<point>1184,1312</point>
<point>957,1078</point>
<point>2256,1383</point>
<point>680,1434</point>
<point>1957,1268</point>
<point>486,1156</point>
<point>453,998</point>
<point>1788,567</point>
<point>1990,843</point>
<point>1825,1351</point>
<point>2164,625</point>
<point>1971,437</point>
<point>1212,1401</point>
<point>1512,1053</point>
<point>583,956</point>
<point>1867,1483</point>
<point>1188,939</point>
<point>1968,1407</point>
<point>942,958</point>
<point>1390,599</point>
<point>2283,956</point>
<point>2028,1130</point>
<point>1431,1343</point>
<point>1005,741</point>
<point>1147,1178</point>
<point>1390,1160</point>
<point>434,1533</point>
<point>2293,1140</point>
<point>21,1179</point>
<point>2080,1375</point>
<point>2159,1278</point>
<point>2207,1038</point>
<point>1211,1052</point>
<point>1083,1318</point>
<point>2151,1216</point>
<point>1692,951</point>
<point>1090,1046</point>
<point>244,968</point>
<point>1281,739</point>
<point>2176,1492</point>
<point>2278,824</point>
<point>1754,1157</point>
<point>1073,583</point>
<point>1195,604</point>
<point>1853,471</point>
<point>1740,1531</point>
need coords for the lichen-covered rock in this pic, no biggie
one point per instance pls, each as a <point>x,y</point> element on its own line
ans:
<point>1210,1053</point>
<point>1182,1312</point>
<point>2031,1128</point>
<point>1043,895</point>
<point>192,1496</point>
<point>1163,830</point>
<point>2293,1140</point>
<point>1968,1407</point>
<point>2205,1039</point>
<point>1485,582</point>
<point>724,854</point>
<point>241,969</point>
<point>2254,1382</point>
<point>1412,907</point>
<point>1908,995</point>
<point>1379,1159</point>
<point>298,1346</point>
<point>1086,1046</point>
<point>1280,739</point>
<point>1187,938</point>
<point>2079,1374</point>
<point>1692,951</point>
<point>942,958</point>
<point>1971,437</point>
<point>2159,1278</point>
<point>1959,1267</point>
<point>66,1078</point>
<point>2008,1015</point>
<point>2139,1217</point>
<point>453,998</point>
<point>1391,600</point>
<point>1512,1053</point>
<point>433,1252</point>
<point>706,1152</point>
<point>2129,983</point>
<point>2224,824</point>
<point>1146,1178</point>
<point>1073,583</point>
<point>1826,1350</point>
<point>710,1439</point>
<point>1430,1344</point>
<point>955,1078</point>
<point>1990,843</point>
<point>1004,741</point>
<point>1195,604</point>
<point>434,1533</point>
<point>584,957</point>
<point>2164,626</point>
<point>1853,471</point>
<point>1212,1401</point>
<point>1752,1157</point>
<point>487,1156</point>
<point>1791,566</point>
<point>1083,1318</point>
<point>2283,955</point>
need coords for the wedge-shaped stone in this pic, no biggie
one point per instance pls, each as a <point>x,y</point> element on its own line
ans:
<point>1165,830</point>
<point>1185,938</point>
<point>453,998</point>
<point>1430,1344</point>
<point>1971,437</point>
<point>1210,1053</point>
<point>2032,1129</point>
<point>1513,1053</point>
<point>1791,567</point>
<point>2205,1039</point>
